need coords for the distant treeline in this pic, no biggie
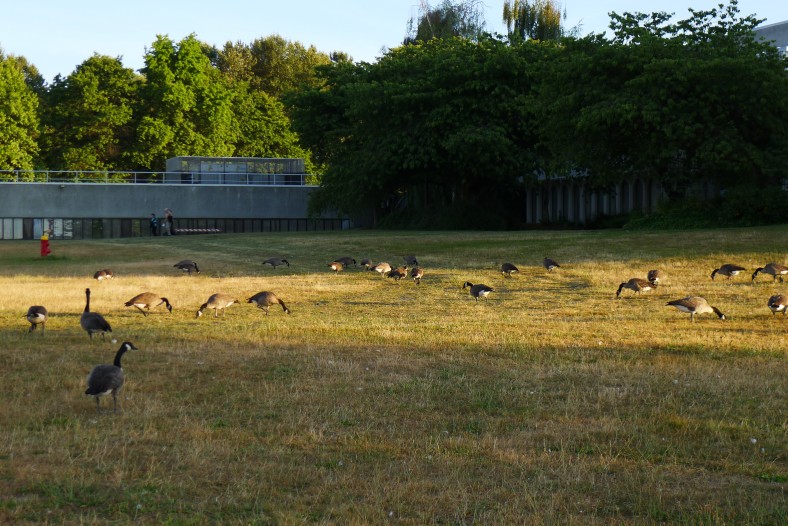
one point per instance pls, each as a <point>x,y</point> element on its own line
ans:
<point>452,127</point>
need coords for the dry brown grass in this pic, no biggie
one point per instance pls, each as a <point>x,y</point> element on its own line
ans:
<point>376,402</point>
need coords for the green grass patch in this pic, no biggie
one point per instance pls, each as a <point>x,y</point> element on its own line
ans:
<point>375,401</point>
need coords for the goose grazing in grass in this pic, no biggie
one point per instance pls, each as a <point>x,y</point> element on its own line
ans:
<point>146,300</point>
<point>367,263</point>
<point>108,379</point>
<point>777,303</point>
<point>695,305</point>
<point>550,264</point>
<point>728,269</point>
<point>188,266</point>
<point>346,261</point>
<point>410,260</point>
<point>775,269</point>
<point>37,315</point>
<point>93,322</point>
<point>276,262</point>
<point>217,302</point>
<point>637,284</point>
<point>265,299</point>
<point>507,269</point>
<point>101,275</point>
<point>417,273</point>
<point>655,276</point>
<point>478,291</point>
<point>336,266</point>
<point>382,268</point>
<point>398,273</point>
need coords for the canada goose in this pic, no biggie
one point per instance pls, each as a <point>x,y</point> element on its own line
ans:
<point>93,321</point>
<point>265,299</point>
<point>550,264</point>
<point>346,261</point>
<point>398,273</point>
<point>417,273</point>
<point>637,284</point>
<point>37,315</point>
<point>507,269</point>
<point>775,269</point>
<point>187,265</point>
<point>478,291</point>
<point>106,379</point>
<point>410,260</point>
<point>336,266</point>
<point>217,302</point>
<point>655,276</point>
<point>146,300</point>
<point>728,269</point>
<point>383,268</point>
<point>275,262</point>
<point>695,305</point>
<point>367,263</point>
<point>103,274</point>
<point>777,303</point>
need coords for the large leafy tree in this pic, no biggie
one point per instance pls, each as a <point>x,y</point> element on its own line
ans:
<point>272,64</point>
<point>264,128</point>
<point>434,126</point>
<point>186,105</point>
<point>697,100</point>
<point>19,121</point>
<point>88,116</point>
<point>464,19</point>
<point>533,19</point>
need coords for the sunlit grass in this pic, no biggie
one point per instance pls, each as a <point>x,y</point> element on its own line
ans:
<point>551,402</point>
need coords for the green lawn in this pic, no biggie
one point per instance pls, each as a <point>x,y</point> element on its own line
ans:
<point>377,402</point>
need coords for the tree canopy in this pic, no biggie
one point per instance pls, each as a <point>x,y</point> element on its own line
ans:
<point>19,120</point>
<point>464,19</point>
<point>88,116</point>
<point>447,129</point>
<point>451,124</point>
<point>698,99</point>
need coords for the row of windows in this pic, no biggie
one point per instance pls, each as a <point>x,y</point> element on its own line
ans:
<point>33,228</point>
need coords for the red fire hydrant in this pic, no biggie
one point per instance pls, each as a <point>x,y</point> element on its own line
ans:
<point>45,251</point>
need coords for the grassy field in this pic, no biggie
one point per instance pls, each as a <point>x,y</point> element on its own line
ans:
<point>377,402</point>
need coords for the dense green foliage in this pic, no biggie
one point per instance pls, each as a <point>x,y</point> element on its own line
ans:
<point>698,100</point>
<point>430,126</point>
<point>532,19</point>
<point>456,128</point>
<point>447,130</point>
<point>18,116</point>
<point>189,99</point>
<point>88,120</point>
<point>449,19</point>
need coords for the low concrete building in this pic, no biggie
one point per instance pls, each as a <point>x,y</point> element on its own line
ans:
<point>204,201</point>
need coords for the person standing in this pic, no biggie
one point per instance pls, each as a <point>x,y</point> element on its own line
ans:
<point>168,226</point>
<point>154,225</point>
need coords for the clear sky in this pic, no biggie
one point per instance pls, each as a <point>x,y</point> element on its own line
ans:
<point>58,35</point>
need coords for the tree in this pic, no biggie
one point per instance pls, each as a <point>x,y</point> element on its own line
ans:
<point>236,62</point>
<point>533,19</point>
<point>265,130</point>
<point>19,120</point>
<point>697,100</point>
<point>186,106</point>
<point>464,19</point>
<point>433,128</point>
<point>88,116</point>
<point>281,65</point>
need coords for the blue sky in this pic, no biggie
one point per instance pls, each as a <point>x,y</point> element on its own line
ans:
<point>58,35</point>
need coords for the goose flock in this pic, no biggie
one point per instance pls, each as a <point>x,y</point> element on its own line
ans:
<point>108,379</point>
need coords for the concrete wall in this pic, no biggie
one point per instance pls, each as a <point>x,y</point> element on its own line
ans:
<point>88,200</point>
